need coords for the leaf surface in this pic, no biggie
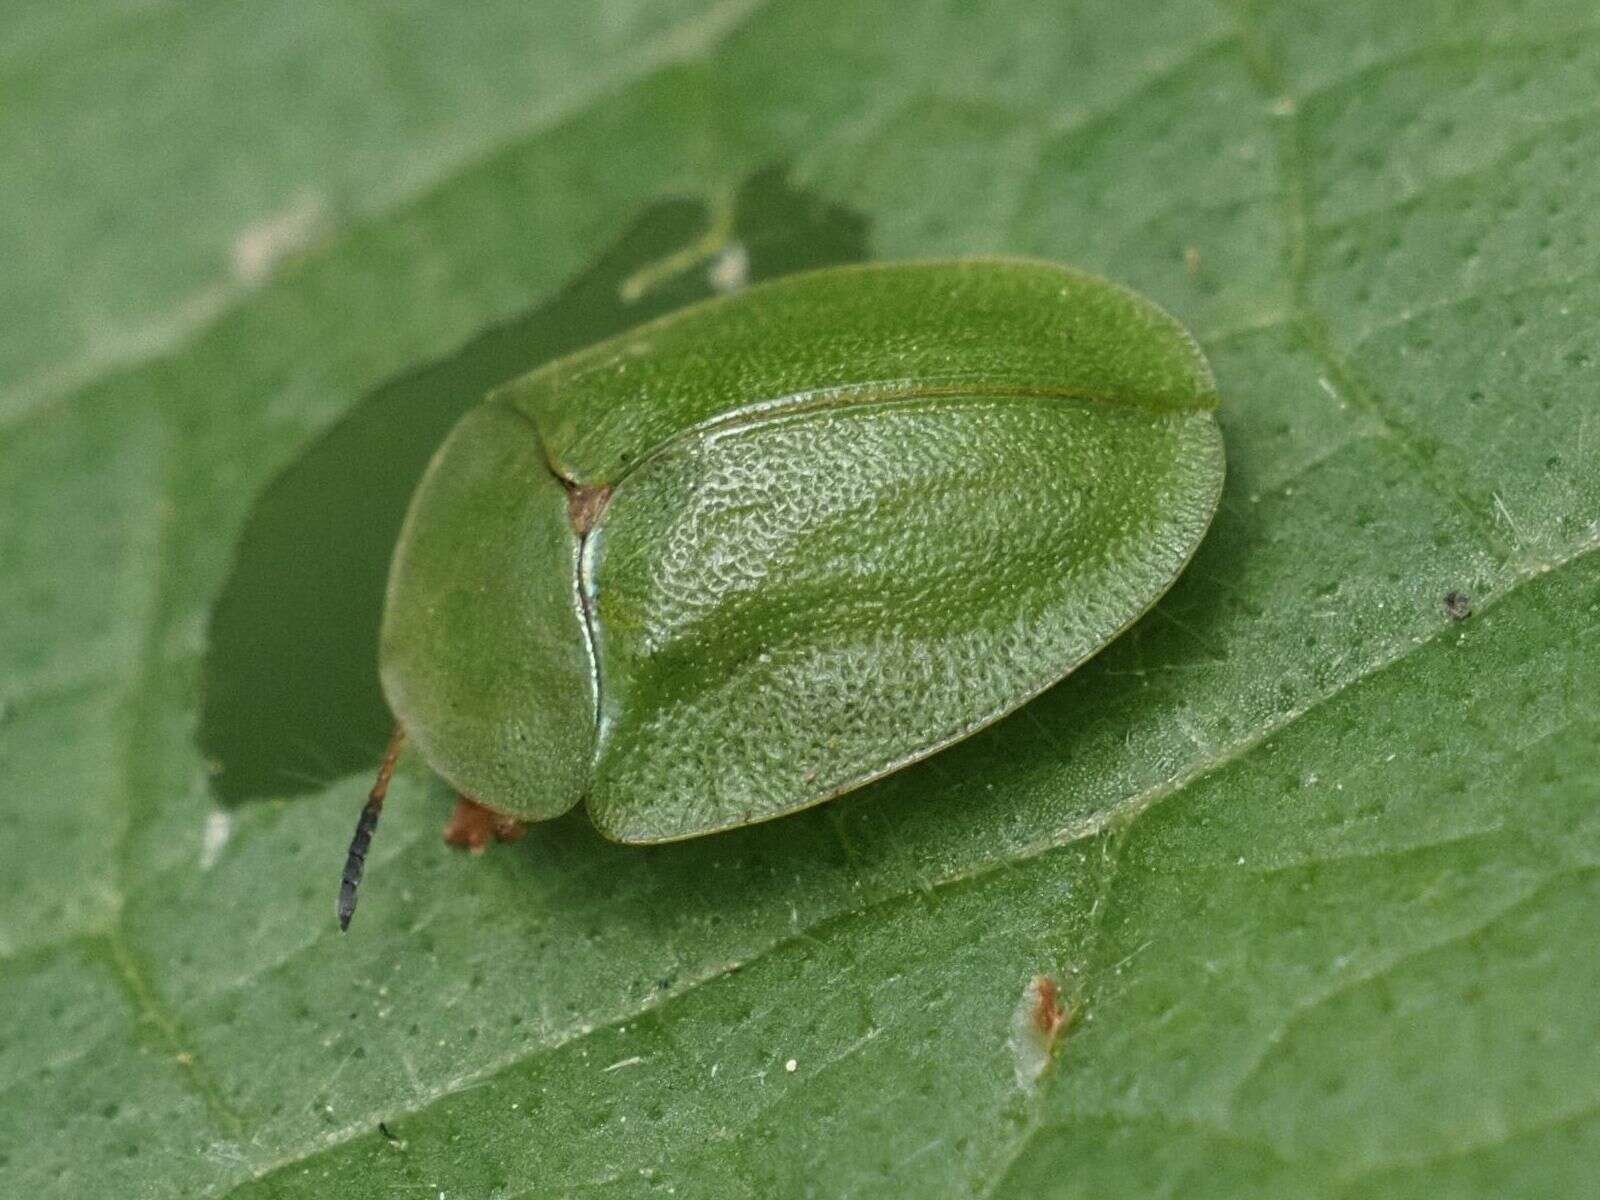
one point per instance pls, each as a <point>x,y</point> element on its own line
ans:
<point>1315,863</point>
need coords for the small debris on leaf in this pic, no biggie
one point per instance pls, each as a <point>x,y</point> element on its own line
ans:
<point>214,836</point>
<point>1036,1025</point>
<point>1457,606</point>
<point>730,270</point>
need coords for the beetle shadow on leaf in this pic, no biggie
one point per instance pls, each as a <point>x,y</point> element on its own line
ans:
<point>291,698</point>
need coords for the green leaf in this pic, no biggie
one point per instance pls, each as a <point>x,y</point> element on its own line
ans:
<point>1314,863</point>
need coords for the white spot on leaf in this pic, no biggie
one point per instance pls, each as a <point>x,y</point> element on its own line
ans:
<point>262,246</point>
<point>730,270</point>
<point>218,829</point>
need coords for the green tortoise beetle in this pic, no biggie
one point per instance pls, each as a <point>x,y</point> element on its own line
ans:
<point>764,550</point>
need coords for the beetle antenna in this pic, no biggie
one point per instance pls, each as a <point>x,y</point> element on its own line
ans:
<point>356,860</point>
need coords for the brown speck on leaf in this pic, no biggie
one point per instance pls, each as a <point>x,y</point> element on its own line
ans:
<point>1457,606</point>
<point>1048,1015</point>
<point>1191,259</point>
<point>1041,1016</point>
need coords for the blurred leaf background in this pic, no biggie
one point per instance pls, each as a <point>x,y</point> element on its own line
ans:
<point>1316,863</point>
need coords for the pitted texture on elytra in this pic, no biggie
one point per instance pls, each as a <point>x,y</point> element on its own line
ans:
<point>795,606</point>
<point>971,327</point>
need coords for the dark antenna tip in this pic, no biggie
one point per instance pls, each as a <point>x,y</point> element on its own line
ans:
<point>356,860</point>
